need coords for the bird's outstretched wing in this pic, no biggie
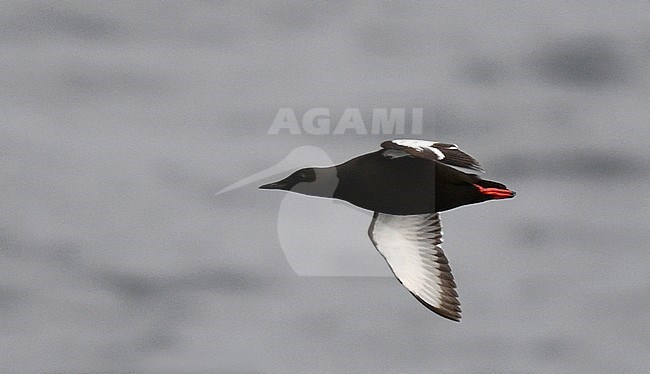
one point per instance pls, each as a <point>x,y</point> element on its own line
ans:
<point>441,152</point>
<point>411,246</point>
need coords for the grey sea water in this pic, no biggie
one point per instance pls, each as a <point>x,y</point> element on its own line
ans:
<point>119,121</point>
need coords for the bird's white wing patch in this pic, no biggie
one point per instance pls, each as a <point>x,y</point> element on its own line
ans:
<point>445,153</point>
<point>411,246</point>
<point>420,146</point>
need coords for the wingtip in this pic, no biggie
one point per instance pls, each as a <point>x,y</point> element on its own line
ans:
<point>450,314</point>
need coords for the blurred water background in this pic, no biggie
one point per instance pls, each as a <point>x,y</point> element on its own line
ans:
<point>119,122</point>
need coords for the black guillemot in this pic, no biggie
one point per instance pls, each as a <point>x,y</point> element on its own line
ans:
<point>406,184</point>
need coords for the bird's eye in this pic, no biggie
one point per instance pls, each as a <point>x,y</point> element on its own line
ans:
<point>303,175</point>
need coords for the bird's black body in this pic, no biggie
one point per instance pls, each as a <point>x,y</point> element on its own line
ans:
<point>406,185</point>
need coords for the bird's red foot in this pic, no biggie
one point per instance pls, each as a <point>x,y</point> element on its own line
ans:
<point>495,193</point>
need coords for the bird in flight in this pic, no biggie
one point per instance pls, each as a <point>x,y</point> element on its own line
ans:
<point>406,183</point>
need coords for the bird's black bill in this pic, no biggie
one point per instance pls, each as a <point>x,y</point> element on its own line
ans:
<point>281,185</point>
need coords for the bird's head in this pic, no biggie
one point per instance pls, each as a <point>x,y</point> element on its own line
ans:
<point>308,181</point>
